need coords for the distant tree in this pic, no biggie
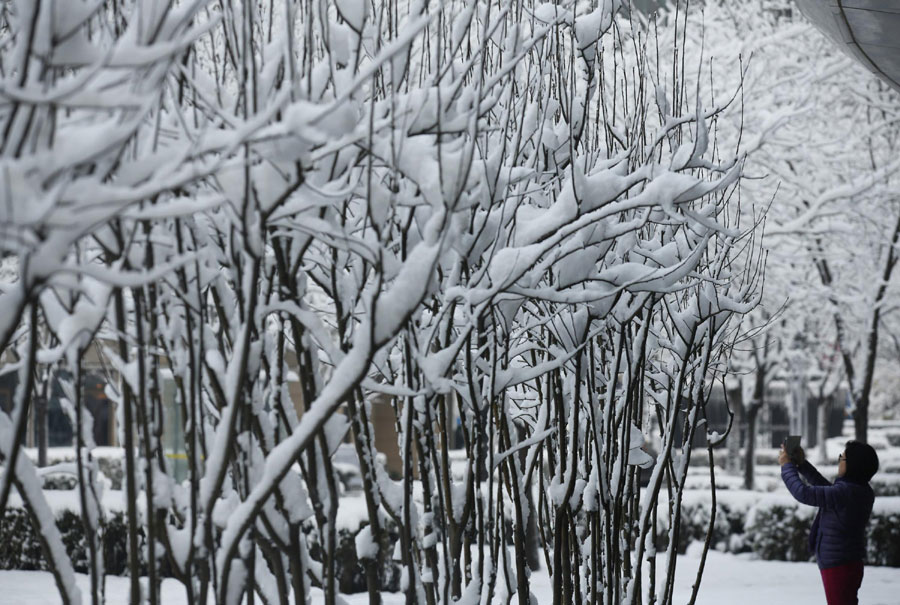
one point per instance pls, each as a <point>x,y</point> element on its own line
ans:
<point>820,134</point>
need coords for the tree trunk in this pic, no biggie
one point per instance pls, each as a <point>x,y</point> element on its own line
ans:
<point>735,398</point>
<point>824,409</point>
<point>756,403</point>
<point>532,537</point>
<point>861,421</point>
<point>40,428</point>
<point>750,452</point>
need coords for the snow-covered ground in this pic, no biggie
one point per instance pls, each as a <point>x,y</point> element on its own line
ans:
<point>735,579</point>
<point>732,579</point>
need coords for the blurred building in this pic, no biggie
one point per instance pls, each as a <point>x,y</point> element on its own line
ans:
<point>48,420</point>
<point>47,402</point>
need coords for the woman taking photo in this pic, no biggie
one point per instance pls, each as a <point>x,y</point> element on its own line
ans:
<point>838,535</point>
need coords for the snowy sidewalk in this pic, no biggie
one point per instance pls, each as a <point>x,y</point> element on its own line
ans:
<point>728,578</point>
<point>744,581</point>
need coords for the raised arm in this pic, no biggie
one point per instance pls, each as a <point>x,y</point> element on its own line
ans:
<point>826,496</point>
<point>798,458</point>
<point>811,474</point>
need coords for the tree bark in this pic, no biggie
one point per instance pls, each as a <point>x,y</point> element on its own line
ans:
<point>824,411</point>
<point>40,428</point>
<point>750,452</point>
<point>735,398</point>
<point>752,411</point>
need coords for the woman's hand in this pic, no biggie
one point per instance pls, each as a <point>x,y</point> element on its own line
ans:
<point>783,457</point>
<point>798,457</point>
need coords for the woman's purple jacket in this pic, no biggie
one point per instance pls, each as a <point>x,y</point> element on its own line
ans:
<point>838,534</point>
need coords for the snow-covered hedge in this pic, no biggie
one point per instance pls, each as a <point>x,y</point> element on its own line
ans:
<point>349,572</point>
<point>775,527</point>
<point>727,533</point>
<point>886,484</point>
<point>20,548</point>
<point>772,527</point>
<point>60,481</point>
<point>884,538</point>
<point>110,462</point>
<point>780,532</point>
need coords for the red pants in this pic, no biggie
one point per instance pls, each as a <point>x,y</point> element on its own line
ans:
<point>842,582</point>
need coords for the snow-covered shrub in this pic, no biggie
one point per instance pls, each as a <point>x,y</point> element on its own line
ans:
<point>780,532</point>
<point>71,528</point>
<point>775,528</point>
<point>883,546</point>
<point>892,468</point>
<point>886,484</point>
<point>694,525</point>
<point>730,529</point>
<point>59,481</point>
<point>20,547</point>
<point>115,545</point>
<point>349,571</point>
<point>110,466</point>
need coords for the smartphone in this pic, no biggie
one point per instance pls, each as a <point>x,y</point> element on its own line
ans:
<point>791,443</point>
